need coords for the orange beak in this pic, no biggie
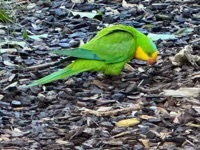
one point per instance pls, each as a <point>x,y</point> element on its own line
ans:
<point>153,59</point>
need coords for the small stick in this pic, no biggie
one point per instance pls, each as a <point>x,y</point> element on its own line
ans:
<point>40,66</point>
<point>113,112</point>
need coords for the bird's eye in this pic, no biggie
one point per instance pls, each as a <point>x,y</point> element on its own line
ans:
<point>149,54</point>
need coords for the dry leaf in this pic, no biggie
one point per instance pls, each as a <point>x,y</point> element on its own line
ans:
<point>196,108</point>
<point>100,84</point>
<point>2,32</point>
<point>127,122</point>
<point>111,11</point>
<point>146,117</point>
<point>145,142</point>
<point>1,97</point>
<point>77,1</point>
<point>176,120</point>
<point>163,111</point>
<point>182,92</point>
<point>5,137</point>
<point>164,135</point>
<point>190,124</point>
<point>60,141</point>
<point>127,5</point>
<point>129,67</point>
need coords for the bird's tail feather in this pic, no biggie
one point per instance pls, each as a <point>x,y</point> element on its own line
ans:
<point>60,74</point>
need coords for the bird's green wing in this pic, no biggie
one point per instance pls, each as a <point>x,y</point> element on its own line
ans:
<point>79,53</point>
<point>113,44</point>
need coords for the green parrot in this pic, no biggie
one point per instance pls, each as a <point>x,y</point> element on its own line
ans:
<point>107,52</point>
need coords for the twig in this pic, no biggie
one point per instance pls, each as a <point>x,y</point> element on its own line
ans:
<point>70,10</point>
<point>125,133</point>
<point>40,66</point>
<point>140,83</point>
<point>112,112</point>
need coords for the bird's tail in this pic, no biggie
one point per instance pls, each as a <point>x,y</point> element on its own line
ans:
<point>60,74</point>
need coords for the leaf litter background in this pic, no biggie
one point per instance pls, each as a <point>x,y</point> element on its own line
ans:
<point>89,111</point>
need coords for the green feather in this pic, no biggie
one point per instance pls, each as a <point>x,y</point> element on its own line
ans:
<point>78,52</point>
<point>60,74</point>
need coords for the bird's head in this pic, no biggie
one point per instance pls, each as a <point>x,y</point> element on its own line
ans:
<point>146,50</point>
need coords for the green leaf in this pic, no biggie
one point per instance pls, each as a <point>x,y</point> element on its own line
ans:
<point>156,37</point>
<point>4,17</point>
<point>25,35</point>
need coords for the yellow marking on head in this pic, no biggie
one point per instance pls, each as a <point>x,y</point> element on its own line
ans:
<point>140,54</point>
<point>154,55</point>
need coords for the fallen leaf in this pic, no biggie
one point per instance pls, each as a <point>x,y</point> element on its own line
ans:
<point>111,11</point>
<point>100,84</point>
<point>2,32</point>
<point>77,1</point>
<point>62,142</point>
<point>145,142</point>
<point>140,69</point>
<point>17,132</point>
<point>190,124</point>
<point>146,117</point>
<point>176,117</point>
<point>182,92</point>
<point>127,122</point>
<point>196,108</point>
<point>164,135</point>
<point>5,137</point>
<point>85,14</point>
<point>129,68</point>
<point>163,111</point>
<point>127,5</point>
<point>1,97</point>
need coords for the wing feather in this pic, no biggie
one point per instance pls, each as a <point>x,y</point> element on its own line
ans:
<point>113,44</point>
